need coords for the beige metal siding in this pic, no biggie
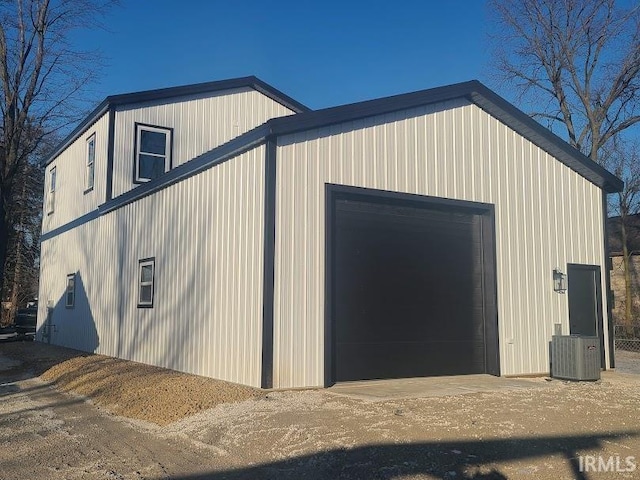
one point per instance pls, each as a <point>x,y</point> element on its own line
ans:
<point>71,201</point>
<point>206,234</point>
<point>546,216</point>
<point>200,123</point>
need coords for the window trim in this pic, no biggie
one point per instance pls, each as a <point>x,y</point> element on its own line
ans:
<point>51,197</point>
<point>168,161</point>
<point>143,263</point>
<point>70,276</point>
<point>88,188</point>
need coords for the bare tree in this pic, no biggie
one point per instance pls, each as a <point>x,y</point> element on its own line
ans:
<point>42,78</point>
<point>624,160</point>
<point>577,64</point>
<point>23,254</point>
<point>578,59</point>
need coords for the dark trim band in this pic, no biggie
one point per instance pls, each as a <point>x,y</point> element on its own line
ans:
<point>607,281</point>
<point>110,149</point>
<point>473,91</point>
<point>219,155</point>
<point>214,157</point>
<point>269,261</point>
<point>70,226</point>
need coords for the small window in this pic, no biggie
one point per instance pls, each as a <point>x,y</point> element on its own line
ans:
<point>91,158</point>
<point>70,300</point>
<point>153,152</point>
<point>146,277</point>
<point>51,200</point>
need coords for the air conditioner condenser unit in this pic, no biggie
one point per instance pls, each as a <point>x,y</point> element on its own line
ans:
<point>575,357</point>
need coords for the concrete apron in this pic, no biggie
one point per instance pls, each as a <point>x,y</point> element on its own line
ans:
<point>382,390</point>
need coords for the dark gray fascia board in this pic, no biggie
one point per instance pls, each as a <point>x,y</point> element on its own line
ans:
<point>89,120</point>
<point>368,108</point>
<point>526,126</point>
<point>207,87</point>
<point>473,91</point>
<point>171,92</point>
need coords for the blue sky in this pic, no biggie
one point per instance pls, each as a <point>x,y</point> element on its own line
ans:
<point>321,53</point>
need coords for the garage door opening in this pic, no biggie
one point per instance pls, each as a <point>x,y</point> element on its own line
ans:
<point>410,286</point>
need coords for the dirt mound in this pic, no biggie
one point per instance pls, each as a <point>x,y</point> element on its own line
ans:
<point>141,391</point>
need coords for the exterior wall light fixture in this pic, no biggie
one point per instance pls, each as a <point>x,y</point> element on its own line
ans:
<point>559,281</point>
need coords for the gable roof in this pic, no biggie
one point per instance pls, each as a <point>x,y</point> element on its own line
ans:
<point>307,119</point>
<point>173,92</point>
<point>475,92</point>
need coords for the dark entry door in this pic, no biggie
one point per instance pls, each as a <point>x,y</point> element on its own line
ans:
<point>408,292</point>
<point>585,302</point>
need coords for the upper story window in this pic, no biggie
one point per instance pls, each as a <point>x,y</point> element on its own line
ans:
<point>152,152</point>
<point>91,158</point>
<point>70,297</point>
<point>51,199</point>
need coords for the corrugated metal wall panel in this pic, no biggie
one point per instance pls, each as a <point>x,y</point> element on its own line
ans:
<point>88,325</point>
<point>200,123</point>
<point>206,234</point>
<point>546,216</point>
<point>71,201</point>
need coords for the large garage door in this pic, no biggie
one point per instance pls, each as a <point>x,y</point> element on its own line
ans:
<point>408,290</point>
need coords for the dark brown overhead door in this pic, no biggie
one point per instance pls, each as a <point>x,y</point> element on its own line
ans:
<point>408,297</point>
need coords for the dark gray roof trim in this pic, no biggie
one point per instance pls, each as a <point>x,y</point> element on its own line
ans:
<point>233,148</point>
<point>545,139</point>
<point>171,92</point>
<point>475,92</point>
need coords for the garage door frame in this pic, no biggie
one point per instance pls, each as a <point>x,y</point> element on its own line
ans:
<point>486,213</point>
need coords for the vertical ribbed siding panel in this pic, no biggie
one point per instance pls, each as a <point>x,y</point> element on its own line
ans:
<point>206,234</point>
<point>71,201</point>
<point>200,123</point>
<point>87,326</point>
<point>546,216</point>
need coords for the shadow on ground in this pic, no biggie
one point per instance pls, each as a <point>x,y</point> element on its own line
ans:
<point>459,460</point>
<point>34,358</point>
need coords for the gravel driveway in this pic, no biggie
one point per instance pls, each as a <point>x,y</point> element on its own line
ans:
<point>628,362</point>
<point>524,433</point>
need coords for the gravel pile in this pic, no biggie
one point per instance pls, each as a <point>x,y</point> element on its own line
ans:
<point>125,388</point>
<point>141,391</point>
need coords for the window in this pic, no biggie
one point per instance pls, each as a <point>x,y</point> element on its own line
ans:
<point>52,191</point>
<point>91,158</point>
<point>153,152</point>
<point>70,299</point>
<point>146,277</point>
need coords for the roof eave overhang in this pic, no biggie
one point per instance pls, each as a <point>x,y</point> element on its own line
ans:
<point>544,138</point>
<point>474,92</point>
